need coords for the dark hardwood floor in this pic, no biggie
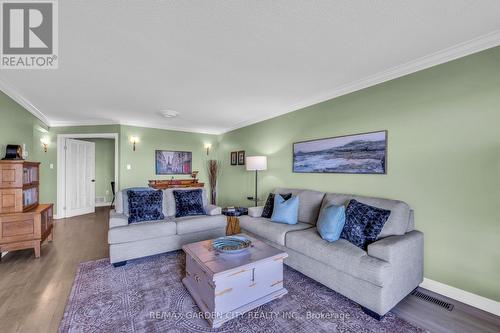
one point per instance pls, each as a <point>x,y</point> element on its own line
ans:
<point>33,292</point>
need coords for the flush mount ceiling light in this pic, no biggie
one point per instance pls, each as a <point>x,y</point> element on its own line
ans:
<point>169,113</point>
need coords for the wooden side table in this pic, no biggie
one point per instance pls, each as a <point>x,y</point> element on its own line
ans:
<point>233,221</point>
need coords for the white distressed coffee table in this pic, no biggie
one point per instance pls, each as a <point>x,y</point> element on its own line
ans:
<point>227,285</point>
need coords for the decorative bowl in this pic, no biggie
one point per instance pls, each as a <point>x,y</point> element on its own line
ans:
<point>231,244</point>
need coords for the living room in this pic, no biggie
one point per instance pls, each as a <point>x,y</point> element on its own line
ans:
<point>239,166</point>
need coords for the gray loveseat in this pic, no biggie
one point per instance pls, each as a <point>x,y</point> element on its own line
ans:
<point>136,240</point>
<point>377,279</point>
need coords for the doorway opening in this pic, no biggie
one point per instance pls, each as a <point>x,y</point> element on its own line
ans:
<point>87,164</point>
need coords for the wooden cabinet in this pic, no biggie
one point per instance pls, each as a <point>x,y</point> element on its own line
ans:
<point>24,223</point>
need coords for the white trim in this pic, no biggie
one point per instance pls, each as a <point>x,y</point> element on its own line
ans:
<point>61,170</point>
<point>457,51</point>
<point>17,97</point>
<point>463,296</point>
<point>103,204</point>
<point>3,254</point>
<point>460,50</point>
<point>154,125</point>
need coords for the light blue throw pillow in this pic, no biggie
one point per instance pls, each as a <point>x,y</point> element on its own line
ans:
<point>331,222</point>
<point>285,211</point>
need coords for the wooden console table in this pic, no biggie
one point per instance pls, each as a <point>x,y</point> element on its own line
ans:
<point>174,183</point>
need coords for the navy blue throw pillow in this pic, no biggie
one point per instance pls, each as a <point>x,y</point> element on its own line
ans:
<point>144,205</point>
<point>188,203</point>
<point>363,223</point>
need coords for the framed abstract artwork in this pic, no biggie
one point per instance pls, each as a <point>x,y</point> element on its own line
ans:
<point>241,157</point>
<point>173,162</point>
<point>234,158</point>
<point>364,153</point>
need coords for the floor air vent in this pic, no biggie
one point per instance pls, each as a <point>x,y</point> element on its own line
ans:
<point>433,300</point>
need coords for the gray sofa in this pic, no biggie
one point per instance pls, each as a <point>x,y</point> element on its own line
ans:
<point>377,279</point>
<point>130,241</point>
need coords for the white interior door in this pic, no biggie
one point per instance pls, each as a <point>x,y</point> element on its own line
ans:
<point>80,177</point>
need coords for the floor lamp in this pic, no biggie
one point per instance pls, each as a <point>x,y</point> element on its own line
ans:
<point>256,163</point>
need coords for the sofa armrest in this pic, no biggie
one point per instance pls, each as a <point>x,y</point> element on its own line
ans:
<point>213,210</point>
<point>255,211</point>
<point>398,248</point>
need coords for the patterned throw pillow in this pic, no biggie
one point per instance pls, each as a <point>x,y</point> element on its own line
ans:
<point>188,203</point>
<point>267,212</point>
<point>363,223</point>
<point>144,205</point>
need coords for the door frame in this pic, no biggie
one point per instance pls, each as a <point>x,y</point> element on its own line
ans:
<point>61,164</point>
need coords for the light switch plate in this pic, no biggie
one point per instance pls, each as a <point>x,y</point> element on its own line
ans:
<point>129,167</point>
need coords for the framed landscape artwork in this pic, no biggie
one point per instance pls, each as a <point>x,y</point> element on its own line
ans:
<point>173,162</point>
<point>364,153</point>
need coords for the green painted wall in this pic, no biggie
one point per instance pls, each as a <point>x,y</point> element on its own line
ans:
<point>48,176</point>
<point>104,167</point>
<point>17,126</point>
<point>142,161</point>
<point>443,159</point>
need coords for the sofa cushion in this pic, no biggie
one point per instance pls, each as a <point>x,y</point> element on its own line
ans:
<point>145,205</point>
<point>397,224</point>
<point>169,200</point>
<point>274,232</point>
<point>363,223</point>
<point>117,220</point>
<point>309,203</point>
<point>141,231</point>
<point>268,209</point>
<point>188,203</point>
<point>189,224</point>
<point>340,255</point>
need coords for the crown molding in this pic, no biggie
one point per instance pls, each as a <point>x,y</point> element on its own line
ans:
<point>134,124</point>
<point>81,123</point>
<point>17,97</point>
<point>472,46</point>
<point>457,51</point>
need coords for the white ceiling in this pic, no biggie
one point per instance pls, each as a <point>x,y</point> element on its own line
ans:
<point>227,64</point>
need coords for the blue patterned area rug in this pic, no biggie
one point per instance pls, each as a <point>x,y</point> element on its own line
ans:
<point>147,295</point>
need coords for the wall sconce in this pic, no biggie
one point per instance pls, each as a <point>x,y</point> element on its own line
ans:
<point>45,143</point>
<point>133,141</point>
<point>208,146</point>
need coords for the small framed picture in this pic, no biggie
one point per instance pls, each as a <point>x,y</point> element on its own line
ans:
<point>234,158</point>
<point>241,157</point>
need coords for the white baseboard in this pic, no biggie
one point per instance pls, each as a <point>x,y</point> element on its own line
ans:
<point>103,204</point>
<point>463,296</point>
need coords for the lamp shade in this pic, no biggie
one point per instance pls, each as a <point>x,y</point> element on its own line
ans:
<point>256,163</point>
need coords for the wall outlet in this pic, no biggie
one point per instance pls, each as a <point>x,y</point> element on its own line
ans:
<point>51,166</point>
<point>107,192</point>
<point>129,167</point>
